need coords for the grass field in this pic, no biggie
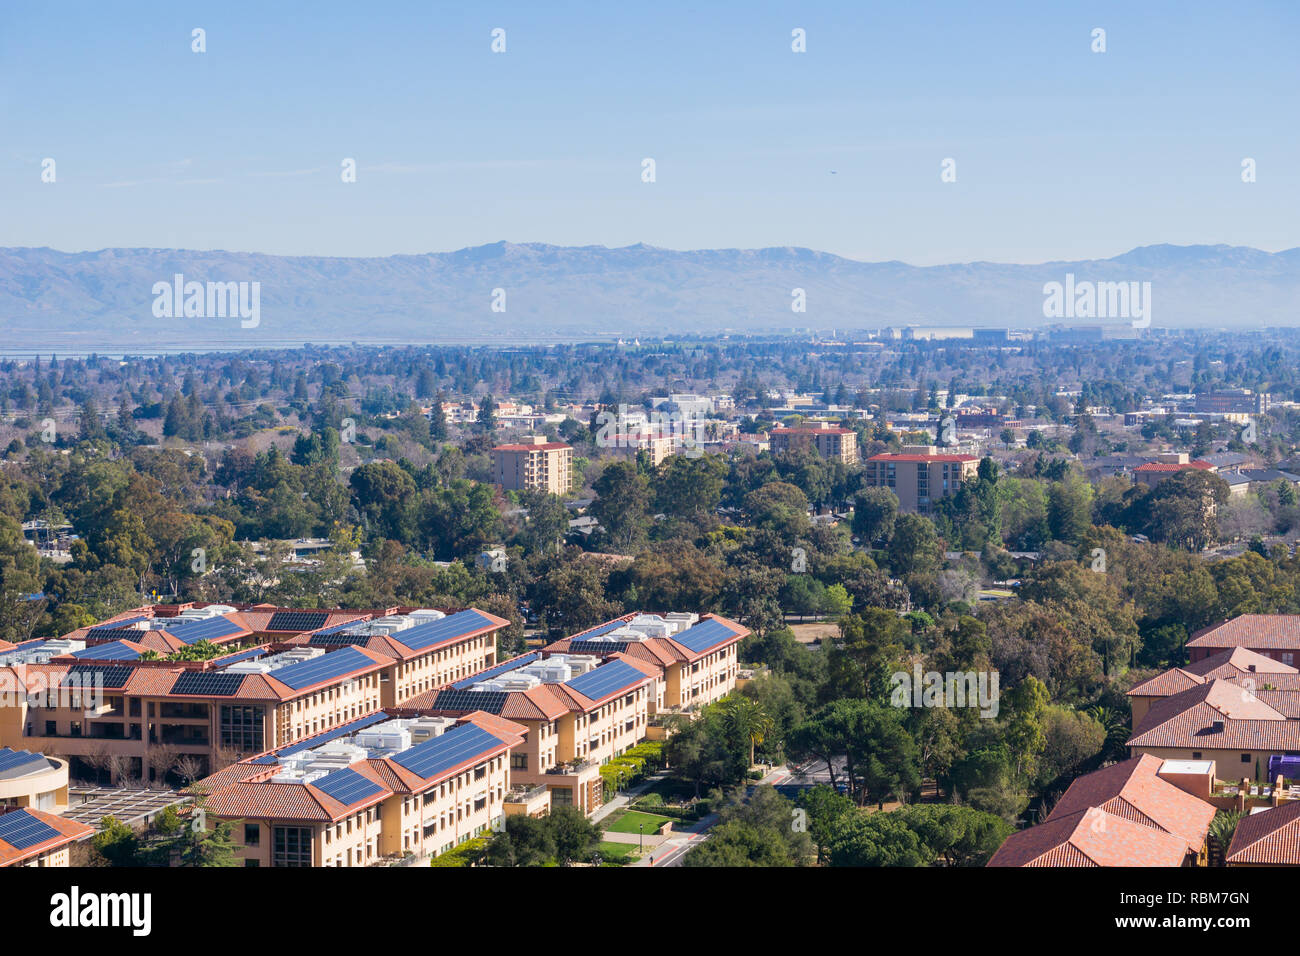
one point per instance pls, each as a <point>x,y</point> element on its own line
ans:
<point>617,854</point>
<point>629,820</point>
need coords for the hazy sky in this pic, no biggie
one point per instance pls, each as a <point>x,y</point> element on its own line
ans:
<point>1060,152</point>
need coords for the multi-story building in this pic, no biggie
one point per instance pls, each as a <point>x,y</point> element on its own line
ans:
<point>920,475</point>
<point>534,464</point>
<point>580,712</point>
<point>147,719</point>
<point>1233,401</point>
<point>32,780</point>
<point>381,787</point>
<point>1151,473</point>
<point>698,657</point>
<point>830,441</point>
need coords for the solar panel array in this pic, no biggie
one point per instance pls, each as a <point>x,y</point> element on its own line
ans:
<point>598,647</point>
<point>86,675</point>
<point>340,627</point>
<point>447,750</point>
<point>347,786</point>
<point>297,620</point>
<point>444,629</point>
<point>112,651</point>
<point>491,701</point>
<point>22,830</point>
<point>13,759</point>
<point>212,629</point>
<point>704,635</point>
<point>605,680</point>
<point>346,730</point>
<point>102,634</point>
<point>337,639</point>
<point>507,666</point>
<point>208,684</point>
<point>326,667</point>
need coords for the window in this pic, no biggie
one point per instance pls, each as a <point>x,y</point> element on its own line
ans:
<point>1196,755</point>
<point>252,863</point>
<point>292,846</point>
<point>519,761</point>
<point>252,834</point>
<point>1245,758</point>
<point>241,728</point>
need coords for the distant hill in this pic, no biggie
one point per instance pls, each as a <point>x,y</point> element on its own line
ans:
<point>103,300</point>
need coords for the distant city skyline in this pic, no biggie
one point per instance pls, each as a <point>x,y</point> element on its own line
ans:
<point>1060,152</point>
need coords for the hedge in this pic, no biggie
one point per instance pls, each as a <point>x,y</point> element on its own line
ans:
<point>467,854</point>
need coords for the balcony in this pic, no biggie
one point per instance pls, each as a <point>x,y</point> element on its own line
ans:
<point>572,767</point>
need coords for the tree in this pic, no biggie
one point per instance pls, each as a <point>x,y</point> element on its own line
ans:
<point>880,756</point>
<point>744,718</point>
<point>915,547</point>
<point>622,497</point>
<point>875,510</point>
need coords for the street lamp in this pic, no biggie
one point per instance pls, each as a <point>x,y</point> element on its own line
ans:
<point>640,828</point>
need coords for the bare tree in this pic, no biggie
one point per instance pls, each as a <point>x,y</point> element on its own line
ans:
<point>161,760</point>
<point>190,768</point>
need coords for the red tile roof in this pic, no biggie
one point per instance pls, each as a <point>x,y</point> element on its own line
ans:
<point>68,831</point>
<point>1165,466</point>
<point>1271,837</point>
<point>1269,631</point>
<point>1133,790</point>
<point>1091,837</point>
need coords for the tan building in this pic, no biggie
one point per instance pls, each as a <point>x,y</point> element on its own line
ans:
<point>920,475</point>
<point>534,465</point>
<point>831,441</point>
<point>32,780</point>
<point>377,790</point>
<point>146,720</point>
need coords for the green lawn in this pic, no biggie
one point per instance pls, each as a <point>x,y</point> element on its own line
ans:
<point>629,821</point>
<point>617,854</point>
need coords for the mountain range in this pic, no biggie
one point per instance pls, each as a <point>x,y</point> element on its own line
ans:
<point>103,300</point>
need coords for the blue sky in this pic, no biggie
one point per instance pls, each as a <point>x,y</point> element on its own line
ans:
<point>1061,153</point>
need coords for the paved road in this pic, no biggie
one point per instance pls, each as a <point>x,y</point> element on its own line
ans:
<point>671,852</point>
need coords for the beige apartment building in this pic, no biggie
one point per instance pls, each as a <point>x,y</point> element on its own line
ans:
<point>831,441</point>
<point>534,464</point>
<point>920,475</point>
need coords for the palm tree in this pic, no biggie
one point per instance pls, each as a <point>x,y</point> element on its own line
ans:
<point>1223,826</point>
<point>744,718</point>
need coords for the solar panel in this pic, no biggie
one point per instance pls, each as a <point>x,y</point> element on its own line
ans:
<point>22,830</point>
<point>105,634</point>
<point>323,639</point>
<point>704,635</point>
<point>112,651</point>
<point>447,750</point>
<point>465,700</point>
<point>297,620</point>
<point>347,786</point>
<point>326,667</point>
<point>87,675</point>
<point>208,684</point>
<point>605,680</point>
<point>444,629</point>
<point>345,730</point>
<point>512,664</point>
<point>603,648</point>
<point>214,629</point>
<point>12,759</point>
<point>115,625</point>
<point>339,627</point>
